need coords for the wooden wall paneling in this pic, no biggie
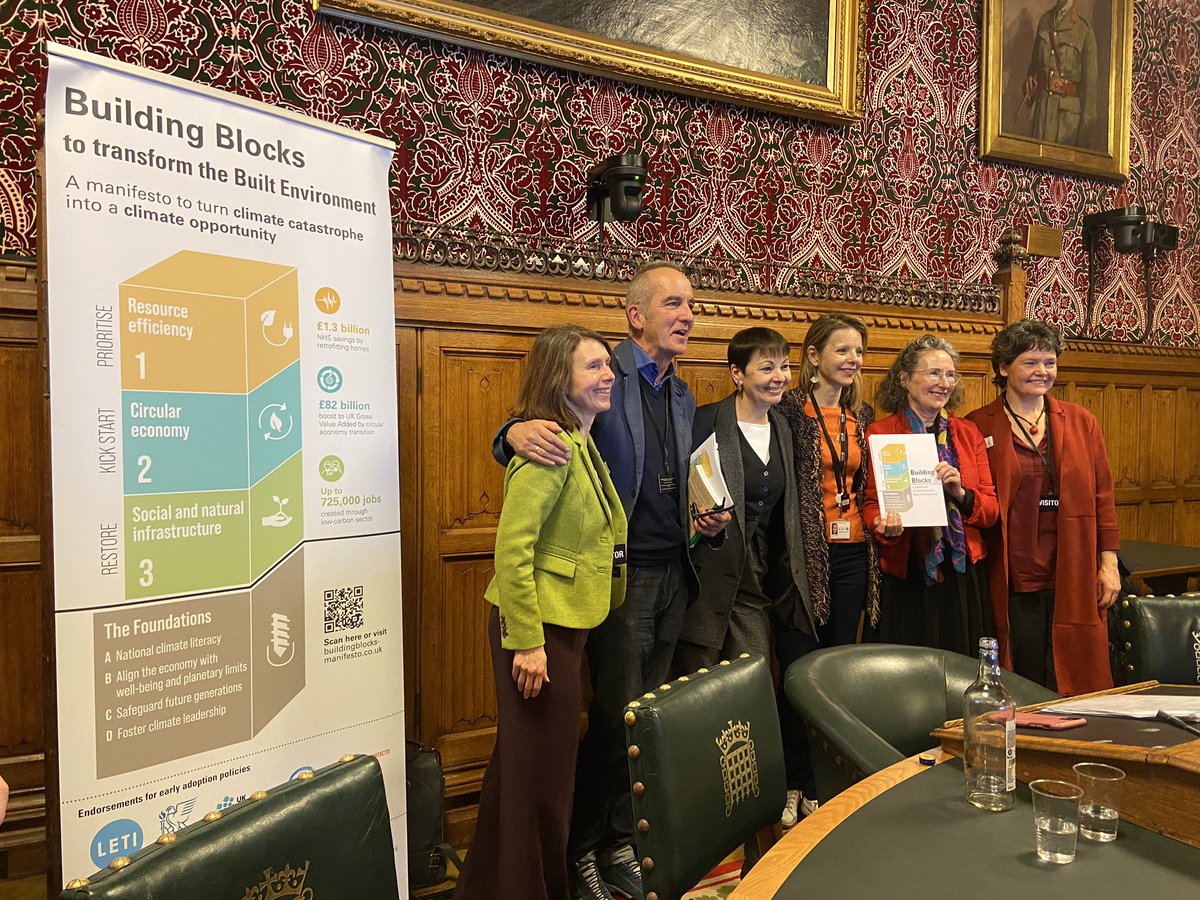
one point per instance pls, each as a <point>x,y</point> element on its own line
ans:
<point>1187,438</point>
<point>409,424</point>
<point>1157,522</point>
<point>1161,415</point>
<point>22,481</point>
<point>1187,530</point>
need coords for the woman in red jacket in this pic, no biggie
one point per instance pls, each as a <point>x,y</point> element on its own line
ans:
<point>933,593</point>
<point>1052,560</point>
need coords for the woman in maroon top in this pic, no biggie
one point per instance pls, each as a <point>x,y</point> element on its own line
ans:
<point>1052,561</point>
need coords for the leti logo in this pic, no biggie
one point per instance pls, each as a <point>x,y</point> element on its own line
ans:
<point>118,838</point>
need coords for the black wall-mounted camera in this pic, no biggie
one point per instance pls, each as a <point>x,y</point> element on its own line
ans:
<point>1133,232</point>
<point>614,190</point>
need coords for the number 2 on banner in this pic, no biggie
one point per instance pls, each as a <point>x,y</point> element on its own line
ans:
<point>144,474</point>
<point>147,567</point>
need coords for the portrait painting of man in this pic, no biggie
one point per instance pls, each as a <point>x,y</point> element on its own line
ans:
<point>1056,83</point>
<point>799,57</point>
<point>785,38</point>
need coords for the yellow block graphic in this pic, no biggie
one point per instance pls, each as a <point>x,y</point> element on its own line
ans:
<point>209,323</point>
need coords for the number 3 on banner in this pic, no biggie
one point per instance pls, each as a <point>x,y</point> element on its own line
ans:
<point>147,567</point>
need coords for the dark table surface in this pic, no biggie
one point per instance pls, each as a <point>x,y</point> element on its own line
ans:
<point>921,839</point>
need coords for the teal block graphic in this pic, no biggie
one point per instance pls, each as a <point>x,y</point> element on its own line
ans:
<point>273,422</point>
<point>183,442</point>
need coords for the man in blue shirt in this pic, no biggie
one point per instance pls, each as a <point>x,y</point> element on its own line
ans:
<point>645,437</point>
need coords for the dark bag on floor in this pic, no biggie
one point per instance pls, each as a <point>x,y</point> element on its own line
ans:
<point>427,851</point>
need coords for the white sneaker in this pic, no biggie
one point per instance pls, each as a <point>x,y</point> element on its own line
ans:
<point>807,807</point>
<point>791,809</point>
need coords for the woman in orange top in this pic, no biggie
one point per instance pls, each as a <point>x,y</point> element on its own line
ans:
<point>829,420</point>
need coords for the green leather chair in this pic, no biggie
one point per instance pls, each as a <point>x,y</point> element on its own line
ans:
<point>1158,638</point>
<point>706,763</point>
<point>868,706</point>
<point>327,836</point>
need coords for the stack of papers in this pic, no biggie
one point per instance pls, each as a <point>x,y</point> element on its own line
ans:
<point>1132,706</point>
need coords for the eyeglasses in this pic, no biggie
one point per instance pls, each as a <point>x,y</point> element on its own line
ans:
<point>938,375</point>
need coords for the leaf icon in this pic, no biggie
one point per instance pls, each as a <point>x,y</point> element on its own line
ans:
<point>276,422</point>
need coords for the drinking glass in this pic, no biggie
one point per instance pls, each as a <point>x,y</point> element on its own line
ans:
<point>1055,819</point>
<point>1100,807</point>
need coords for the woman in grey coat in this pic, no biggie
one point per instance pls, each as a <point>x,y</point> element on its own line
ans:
<point>756,575</point>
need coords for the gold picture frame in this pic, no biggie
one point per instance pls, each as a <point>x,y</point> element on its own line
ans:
<point>838,99</point>
<point>1049,100</point>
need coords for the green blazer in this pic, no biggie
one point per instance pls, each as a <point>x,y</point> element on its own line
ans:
<point>554,547</point>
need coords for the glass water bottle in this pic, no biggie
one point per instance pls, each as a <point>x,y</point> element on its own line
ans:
<point>989,735</point>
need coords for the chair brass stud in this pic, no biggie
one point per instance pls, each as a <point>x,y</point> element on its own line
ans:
<point>639,789</point>
<point>305,775</point>
<point>1125,624</point>
<point>1170,596</point>
<point>682,678</point>
<point>630,717</point>
<point>724,662</point>
<point>212,816</point>
<point>664,687</point>
<point>652,896</point>
<point>1125,603</point>
<point>643,826</point>
<point>77,883</point>
<point>119,863</point>
<point>168,838</point>
<point>634,704</point>
<point>743,656</point>
<point>634,751</point>
<point>349,757</point>
<point>702,671</point>
<point>1128,646</point>
<point>649,697</point>
<point>1129,668</point>
<point>259,795</point>
<point>647,863</point>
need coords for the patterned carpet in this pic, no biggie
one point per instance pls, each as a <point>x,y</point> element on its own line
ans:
<point>720,882</point>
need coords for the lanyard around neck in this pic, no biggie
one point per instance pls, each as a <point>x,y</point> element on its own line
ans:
<point>837,460</point>
<point>1048,457</point>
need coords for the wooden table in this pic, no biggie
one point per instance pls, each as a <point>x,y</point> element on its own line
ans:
<point>1161,762</point>
<point>1161,568</point>
<point>905,833</point>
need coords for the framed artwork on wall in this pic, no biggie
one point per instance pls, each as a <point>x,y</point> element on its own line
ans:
<point>1056,83</point>
<point>800,57</point>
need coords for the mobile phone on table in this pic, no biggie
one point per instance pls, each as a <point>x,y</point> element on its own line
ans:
<point>1048,721</point>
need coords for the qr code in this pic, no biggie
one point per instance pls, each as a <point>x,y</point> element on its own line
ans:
<point>343,608</point>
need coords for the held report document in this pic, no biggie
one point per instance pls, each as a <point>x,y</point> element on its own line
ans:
<point>903,468</point>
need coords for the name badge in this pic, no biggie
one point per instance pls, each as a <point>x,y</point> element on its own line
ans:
<point>988,442</point>
<point>666,483</point>
<point>1048,503</point>
<point>839,530</point>
<point>618,559</point>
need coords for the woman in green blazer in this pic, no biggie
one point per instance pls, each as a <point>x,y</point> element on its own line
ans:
<point>560,570</point>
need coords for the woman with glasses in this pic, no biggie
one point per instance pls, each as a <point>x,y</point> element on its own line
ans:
<point>933,593</point>
<point>1052,559</point>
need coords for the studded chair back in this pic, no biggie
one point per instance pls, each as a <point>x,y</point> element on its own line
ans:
<point>1158,638</point>
<point>706,763</point>
<point>868,706</point>
<point>328,835</point>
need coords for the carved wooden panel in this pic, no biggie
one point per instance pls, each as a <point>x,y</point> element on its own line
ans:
<point>1160,465</point>
<point>1187,437</point>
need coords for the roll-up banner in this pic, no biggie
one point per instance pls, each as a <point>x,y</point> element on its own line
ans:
<point>223,452</point>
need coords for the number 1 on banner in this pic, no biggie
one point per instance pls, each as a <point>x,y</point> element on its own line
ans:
<point>141,358</point>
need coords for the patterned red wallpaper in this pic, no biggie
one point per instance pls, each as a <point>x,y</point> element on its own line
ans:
<point>494,143</point>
